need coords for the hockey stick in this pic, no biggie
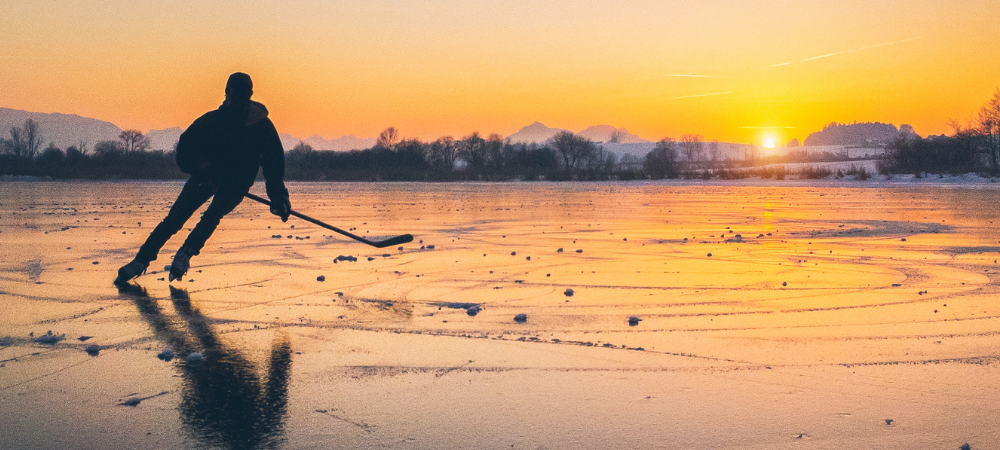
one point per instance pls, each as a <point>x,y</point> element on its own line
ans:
<point>377,244</point>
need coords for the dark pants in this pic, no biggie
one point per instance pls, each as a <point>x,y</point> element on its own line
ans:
<point>194,194</point>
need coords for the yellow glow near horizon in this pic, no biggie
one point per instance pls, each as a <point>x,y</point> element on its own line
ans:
<point>770,142</point>
<point>447,67</point>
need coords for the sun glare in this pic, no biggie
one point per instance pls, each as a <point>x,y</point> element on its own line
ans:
<point>769,142</point>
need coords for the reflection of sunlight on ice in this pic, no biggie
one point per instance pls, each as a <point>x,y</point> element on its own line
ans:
<point>801,281</point>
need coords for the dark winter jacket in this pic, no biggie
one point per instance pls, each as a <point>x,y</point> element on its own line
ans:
<point>226,147</point>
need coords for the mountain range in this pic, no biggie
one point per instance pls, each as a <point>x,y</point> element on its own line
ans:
<point>539,133</point>
<point>64,130</point>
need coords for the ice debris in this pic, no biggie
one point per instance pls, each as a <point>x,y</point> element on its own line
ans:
<point>457,305</point>
<point>167,354</point>
<point>521,318</point>
<point>49,338</point>
<point>93,349</point>
<point>473,310</point>
<point>633,320</point>
<point>568,292</point>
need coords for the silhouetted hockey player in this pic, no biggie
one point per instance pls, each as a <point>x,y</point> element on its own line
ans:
<point>222,151</point>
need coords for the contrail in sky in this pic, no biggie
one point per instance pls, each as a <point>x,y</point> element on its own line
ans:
<point>23,57</point>
<point>850,51</point>
<point>702,95</point>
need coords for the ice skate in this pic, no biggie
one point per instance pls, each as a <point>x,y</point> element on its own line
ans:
<point>180,265</point>
<point>130,271</point>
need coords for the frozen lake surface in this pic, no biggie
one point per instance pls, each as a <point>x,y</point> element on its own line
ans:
<point>770,317</point>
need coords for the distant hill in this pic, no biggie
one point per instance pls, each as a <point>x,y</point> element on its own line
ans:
<point>340,144</point>
<point>857,134</point>
<point>604,133</point>
<point>539,133</point>
<point>164,139</point>
<point>536,132</point>
<point>63,130</point>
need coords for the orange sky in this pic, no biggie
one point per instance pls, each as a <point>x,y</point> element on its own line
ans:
<point>433,68</point>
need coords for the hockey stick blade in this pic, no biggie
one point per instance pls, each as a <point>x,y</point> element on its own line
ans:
<point>392,241</point>
<point>377,244</point>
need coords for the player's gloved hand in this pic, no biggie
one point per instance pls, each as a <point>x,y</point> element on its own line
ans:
<point>281,207</point>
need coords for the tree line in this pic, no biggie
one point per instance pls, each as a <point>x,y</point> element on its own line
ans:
<point>472,158</point>
<point>974,147</point>
<point>128,157</point>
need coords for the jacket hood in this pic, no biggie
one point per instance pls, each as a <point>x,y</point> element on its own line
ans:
<point>257,113</point>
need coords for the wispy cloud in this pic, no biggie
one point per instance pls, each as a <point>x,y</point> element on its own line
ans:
<point>813,58</point>
<point>24,57</point>
<point>765,128</point>
<point>702,95</point>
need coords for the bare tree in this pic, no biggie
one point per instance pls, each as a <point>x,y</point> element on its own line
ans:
<point>81,146</point>
<point>16,142</point>
<point>692,146</point>
<point>133,141</point>
<point>616,136</point>
<point>573,150</point>
<point>25,141</point>
<point>441,155</point>
<point>388,138</point>
<point>32,138</point>
<point>714,152</point>
<point>989,124</point>
<point>494,155</point>
<point>472,149</point>
<point>661,161</point>
<point>601,163</point>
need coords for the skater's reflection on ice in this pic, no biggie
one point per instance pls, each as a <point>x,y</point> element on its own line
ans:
<point>225,400</point>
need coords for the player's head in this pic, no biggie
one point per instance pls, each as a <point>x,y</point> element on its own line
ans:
<point>239,89</point>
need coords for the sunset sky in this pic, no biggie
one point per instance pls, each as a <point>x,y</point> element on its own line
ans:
<point>732,70</point>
